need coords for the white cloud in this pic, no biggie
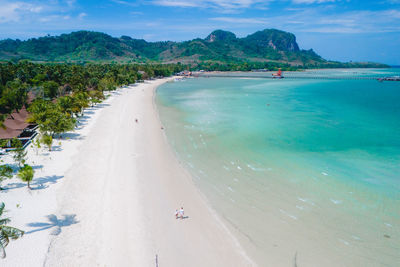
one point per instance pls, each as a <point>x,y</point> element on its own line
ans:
<point>127,3</point>
<point>70,3</point>
<point>348,22</point>
<point>13,11</point>
<point>221,5</point>
<point>53,18</point>
<point>333,30</point>
<point>173,3</point>
<point>148,36</point>
<point>393,13</point>
<point>136,13</point>
<point>311,1</point>
<point>82,15</point>
<point>241,20</point>
<point>363,21</point>
<point>29,12</point>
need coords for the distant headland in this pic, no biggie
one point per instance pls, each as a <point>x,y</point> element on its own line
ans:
<point>220,50</point>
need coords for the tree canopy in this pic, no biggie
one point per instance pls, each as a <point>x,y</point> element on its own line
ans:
<point>61,91</point>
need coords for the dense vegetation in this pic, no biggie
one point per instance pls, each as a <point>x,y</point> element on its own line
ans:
<point>265,47</point>
<point>59,92</point>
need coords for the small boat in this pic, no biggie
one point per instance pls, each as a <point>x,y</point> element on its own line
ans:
<point>278,75</point>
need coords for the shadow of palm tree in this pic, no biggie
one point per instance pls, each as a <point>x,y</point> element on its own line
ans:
<point>56,223</point>
<point>37,167</point>
<point>37,183</point>
<point>99,106</point>
<point>44,182</point>
<point>73,136</point>
<point>55,148</point>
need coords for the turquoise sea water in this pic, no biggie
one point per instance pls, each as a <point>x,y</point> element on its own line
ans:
<point>296,167</point>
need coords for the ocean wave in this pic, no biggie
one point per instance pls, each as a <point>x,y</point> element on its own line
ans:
<point>336,202</point>
<point>344,242</point>
<point>306,201</point>
<point>288,214</point>
<point>254,168</point>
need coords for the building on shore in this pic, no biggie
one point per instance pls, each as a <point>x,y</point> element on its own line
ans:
<point>15,126</point>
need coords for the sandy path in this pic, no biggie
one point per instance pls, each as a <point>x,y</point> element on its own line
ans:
<point>122,192</point>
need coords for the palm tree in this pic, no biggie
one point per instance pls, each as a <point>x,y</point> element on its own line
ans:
<point>5,173</point>
<point>7,232</point>
<point>26,174</point>
<point>47,140</point>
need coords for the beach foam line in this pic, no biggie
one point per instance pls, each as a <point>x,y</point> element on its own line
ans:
<point>344,242</point>
<point>306,201</point>
<point>335,201</point>
<point>254,168</point>
<point>288,214</point>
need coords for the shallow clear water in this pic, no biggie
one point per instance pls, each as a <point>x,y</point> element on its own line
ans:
<point>319,159</point>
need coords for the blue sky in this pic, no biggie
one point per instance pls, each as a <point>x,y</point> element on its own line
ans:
<point>341,30</point>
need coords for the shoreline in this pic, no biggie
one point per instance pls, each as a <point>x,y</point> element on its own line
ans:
<point>159,187</point>
<point>115,203</point>
<point>280,216</point>
<point>223,222</point>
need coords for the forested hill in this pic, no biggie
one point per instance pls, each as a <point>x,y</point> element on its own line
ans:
<point>269,45</point>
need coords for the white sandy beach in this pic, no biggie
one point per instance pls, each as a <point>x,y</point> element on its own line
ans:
<point>107,197</point>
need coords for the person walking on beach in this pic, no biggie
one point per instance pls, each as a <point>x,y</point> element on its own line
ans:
<point>181,213</point>
<point>176,214</point>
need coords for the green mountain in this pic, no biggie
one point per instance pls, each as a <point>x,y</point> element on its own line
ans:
<point>269,45</point>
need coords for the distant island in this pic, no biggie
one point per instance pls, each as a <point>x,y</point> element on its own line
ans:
<point>220,50</point>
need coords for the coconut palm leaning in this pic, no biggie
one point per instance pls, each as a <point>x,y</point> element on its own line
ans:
<point>7,232</point>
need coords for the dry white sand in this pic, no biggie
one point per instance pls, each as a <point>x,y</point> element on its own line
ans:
<point>34,210</point>
<point>107,197</point>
